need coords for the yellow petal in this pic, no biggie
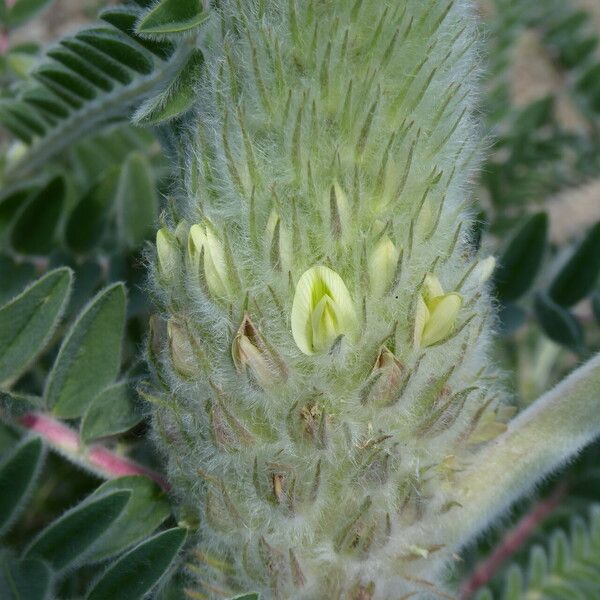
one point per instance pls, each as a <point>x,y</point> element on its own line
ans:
<point>421,318</point>
<point>432,288</point>
<point>322,310</point>
<point>442,319</point>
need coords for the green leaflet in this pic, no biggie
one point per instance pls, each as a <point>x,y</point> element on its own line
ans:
<point>177,98</point>
<point>17,476</point>
<point>578,276</point>
<point>90,356</point>
<point>27,322</point>
<point>558,323</point>
<point>136,200</point>
<point>136,573</point>
<point>172,16</point>
<point>68,538</point>
<point>28,579</point>
<point>113,411</point>
<point>568,568</point>
<point>518,265</point>
<point>22,10</point>
<point>88,219</point>
<point>36,228</point>
<point>145,510</point>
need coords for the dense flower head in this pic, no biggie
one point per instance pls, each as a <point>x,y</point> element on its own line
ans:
<point>340,311</point>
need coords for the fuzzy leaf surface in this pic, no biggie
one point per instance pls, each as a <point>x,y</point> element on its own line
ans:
<point>27,322</point>
<point>172,16</point>
<point>136,200</point>
<point>27,579</point>
<point>145,510</point>
<point>177,98</point>
<point>65,540</point>
<point>17,476</point>
<point>90,356</point>
<point>113,411</point>
<point>138,571</point>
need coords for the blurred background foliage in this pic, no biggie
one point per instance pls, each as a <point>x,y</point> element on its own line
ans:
<point>82,188</point>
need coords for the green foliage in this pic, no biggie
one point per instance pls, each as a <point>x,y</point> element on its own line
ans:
<point>36,226</point>
<point>81,195</point>
<point>93,78</point>
<point>21,11</point>
<point>134,574</point>
<point>136,201</point>
<point>146,509</point>
<point>28,321</point>
<point>172,16</point>
<point>17,477</point>
<point>577,278</point>
<point>90,355</point>
<point>175,99</point>
<point>67,539</point>
<point>24,579</point>
<point>569,567</point>
<point>558,324</point>
<point>519,264</point>
<point>114,410</point>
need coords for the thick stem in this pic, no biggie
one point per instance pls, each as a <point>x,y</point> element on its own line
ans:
<point>551,431</point>
<point>95,458</point>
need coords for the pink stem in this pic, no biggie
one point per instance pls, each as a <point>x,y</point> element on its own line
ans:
<point>97,458</point>
<point>512,542</point>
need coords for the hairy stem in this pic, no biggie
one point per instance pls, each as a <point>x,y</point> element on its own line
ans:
<point>95,458</point>
<point>552,430</point>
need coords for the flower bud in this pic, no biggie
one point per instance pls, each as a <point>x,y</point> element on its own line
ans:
<point>184,352</point>
<point>182,232</point>
<point>484,269</point>
<point>251,353</point>
<point>167,250</point>
<point>386,379</point>
<point>206,248</point>
<point>436,313</point>
<point>322,310</point>
<point>382,266</point>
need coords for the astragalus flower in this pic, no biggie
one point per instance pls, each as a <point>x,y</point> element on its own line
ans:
<point>328,443</point>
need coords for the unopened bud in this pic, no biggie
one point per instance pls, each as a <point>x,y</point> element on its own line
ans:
<point>182,232</point>
<point>322,310</point>
<point>382,266</point>
<point>386,379</point>
<point>205,252</point>
<point>251,353</point>
<point>436,313</point>
<point>167,250</point>
<point>184,351</point>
